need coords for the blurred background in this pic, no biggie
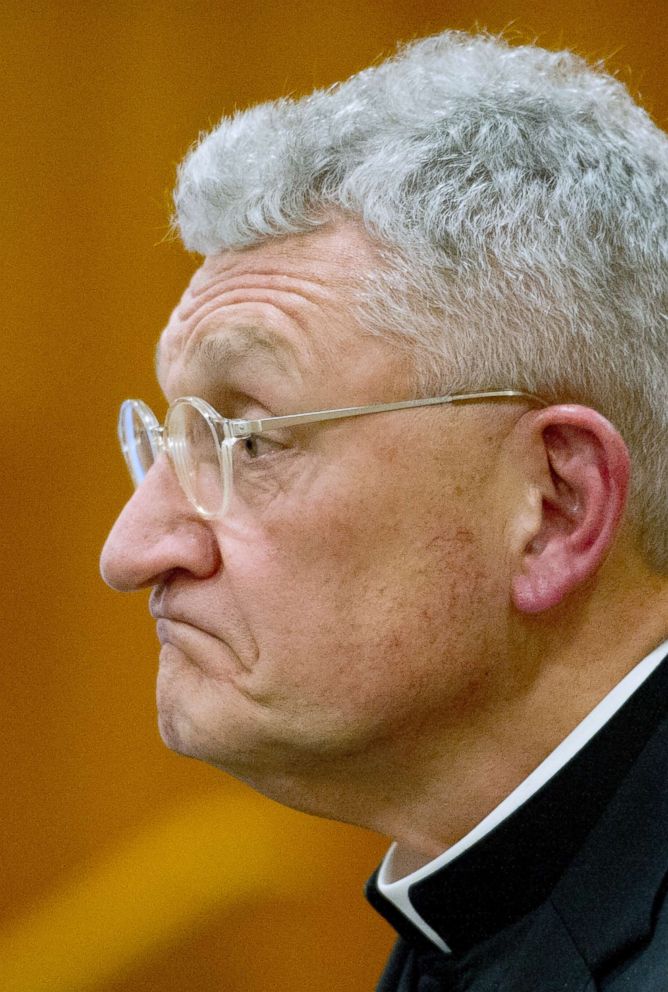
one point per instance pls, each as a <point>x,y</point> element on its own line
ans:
<point>124,867</point>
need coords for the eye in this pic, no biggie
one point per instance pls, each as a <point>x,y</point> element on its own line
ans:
<point>259,445</point>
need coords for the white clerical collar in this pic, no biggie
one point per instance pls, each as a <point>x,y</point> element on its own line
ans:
<point>397,891</point>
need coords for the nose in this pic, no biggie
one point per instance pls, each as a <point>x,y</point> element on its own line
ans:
<point>157,532</point>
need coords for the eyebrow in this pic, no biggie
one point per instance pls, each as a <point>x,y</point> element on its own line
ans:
<point>219,354</point>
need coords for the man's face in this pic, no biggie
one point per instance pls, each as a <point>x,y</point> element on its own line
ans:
<point>353,591</point>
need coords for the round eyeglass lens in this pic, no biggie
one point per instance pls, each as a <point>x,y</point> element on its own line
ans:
<point>195,450</point>
<point>135,437</point>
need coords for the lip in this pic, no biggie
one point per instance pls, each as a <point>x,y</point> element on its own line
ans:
<point>164,630</point>
<point>192,640</point>
<point>217,661</point>
<point>165,620</point>
<point>161,610</point>
<point>157,605</point>
<point>183,630</point>
<point>192,634</point>
<point>163,616</point>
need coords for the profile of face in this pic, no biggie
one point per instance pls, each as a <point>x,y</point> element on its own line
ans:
<point>357,585</point>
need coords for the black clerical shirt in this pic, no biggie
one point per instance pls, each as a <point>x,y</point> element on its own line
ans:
<point>568,890</point>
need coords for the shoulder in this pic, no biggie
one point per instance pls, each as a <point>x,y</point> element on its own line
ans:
<point>645,966</point>
<point>396,976</point>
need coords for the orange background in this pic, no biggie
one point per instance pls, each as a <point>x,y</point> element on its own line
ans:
<point>124,867</point>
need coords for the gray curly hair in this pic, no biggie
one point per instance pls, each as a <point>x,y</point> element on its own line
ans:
<point>518,200</point>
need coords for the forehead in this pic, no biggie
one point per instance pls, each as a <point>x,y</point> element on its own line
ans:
<point>284,308</point>
<point>224,350</point>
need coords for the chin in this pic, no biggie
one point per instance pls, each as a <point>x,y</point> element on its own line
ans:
<point>193,722</point>
<point>174,729</point>
<point>185,735</point>
<point>169,732</point>
<point>178,723</point>
<point>276,754</point>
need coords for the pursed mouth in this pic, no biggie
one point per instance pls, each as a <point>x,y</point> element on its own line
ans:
<point>195,642</point>
<point>165,628</point>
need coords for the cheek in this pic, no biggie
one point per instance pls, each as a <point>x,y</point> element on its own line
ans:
<point>358,608</point>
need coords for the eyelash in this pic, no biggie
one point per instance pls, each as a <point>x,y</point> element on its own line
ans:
<point>258,439</point>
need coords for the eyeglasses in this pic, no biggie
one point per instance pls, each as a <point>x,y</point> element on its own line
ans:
<point>210,452</point>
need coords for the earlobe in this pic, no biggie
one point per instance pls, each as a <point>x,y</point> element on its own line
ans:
<point>581,505</point>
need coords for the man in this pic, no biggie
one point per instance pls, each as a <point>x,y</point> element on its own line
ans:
<point>444,619</point>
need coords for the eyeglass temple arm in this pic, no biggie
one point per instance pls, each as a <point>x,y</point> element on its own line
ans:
<point>244,428</point>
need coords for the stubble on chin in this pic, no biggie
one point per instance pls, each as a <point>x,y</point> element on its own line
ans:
<point>171,698</point>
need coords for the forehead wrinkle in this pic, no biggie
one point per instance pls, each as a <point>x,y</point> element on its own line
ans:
<point>219,356</point>
<point>207,287</point>
<point>188,326</point>
<point>296,285</point>
<point>222,352</point>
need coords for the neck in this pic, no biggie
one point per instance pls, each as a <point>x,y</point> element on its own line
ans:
<point>563,665</point>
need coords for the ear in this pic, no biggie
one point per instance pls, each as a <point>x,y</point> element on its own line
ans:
<point>580,467</point>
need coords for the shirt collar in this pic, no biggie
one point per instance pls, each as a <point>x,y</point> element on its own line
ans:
<point>509,862</point>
